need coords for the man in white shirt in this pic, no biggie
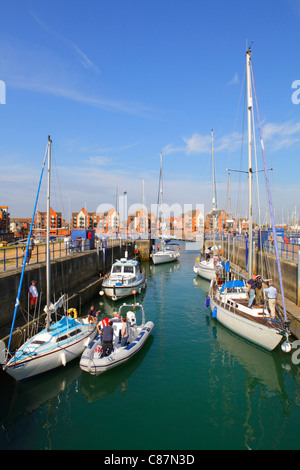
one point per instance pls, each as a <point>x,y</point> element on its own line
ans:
<point>33,294</point>
<point>271,292</point>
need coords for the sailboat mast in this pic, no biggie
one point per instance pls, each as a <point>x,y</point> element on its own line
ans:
<point>214,188</point>
<point>162,220</point>
<point>249,115</point>
<point>48,273</point>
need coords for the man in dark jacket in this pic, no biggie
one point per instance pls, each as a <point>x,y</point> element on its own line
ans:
<point>107,343</point>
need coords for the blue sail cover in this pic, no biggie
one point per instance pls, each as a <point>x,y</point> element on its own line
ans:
<point>230,284</point>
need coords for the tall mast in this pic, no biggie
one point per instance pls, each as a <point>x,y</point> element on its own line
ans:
<point>214,188</point>
<point>162,219</point>
<point>249,115</point>
<point>48,268</point>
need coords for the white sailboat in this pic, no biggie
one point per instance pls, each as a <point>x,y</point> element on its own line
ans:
<point>167,252</point>
<point>229,303</point>
<point>206,265</point>
<point>61,341</point>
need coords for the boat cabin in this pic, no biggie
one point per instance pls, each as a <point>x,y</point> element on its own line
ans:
<point>125,268</point>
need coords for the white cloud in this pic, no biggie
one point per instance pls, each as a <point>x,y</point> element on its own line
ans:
<point>201,144</point>
<point>82,58</point>
<point>99,161</point>
<point>197,144</point>
<point>281,135</point>
<point>234,81</point>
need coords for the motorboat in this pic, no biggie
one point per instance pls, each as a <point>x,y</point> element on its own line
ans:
<point>95,362</point>
<point>126,278</point>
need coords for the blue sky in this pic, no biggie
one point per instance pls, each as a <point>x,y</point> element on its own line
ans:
<point>117,82</point>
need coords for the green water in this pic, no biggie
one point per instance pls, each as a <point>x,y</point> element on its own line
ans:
<point>194,386</point>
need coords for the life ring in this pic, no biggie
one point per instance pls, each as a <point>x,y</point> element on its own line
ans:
<point>136,251</point>
<point>72,311</point>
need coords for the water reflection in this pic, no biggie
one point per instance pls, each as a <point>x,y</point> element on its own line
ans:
<point>26,397</point>
<point>267,380</point>
<point>96,387</point>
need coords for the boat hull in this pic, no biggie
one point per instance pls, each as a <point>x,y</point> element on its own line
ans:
<point>205,270</point>
<point>164,257</point>
<point>97,365</point>
<point>115,292</point>
<point>261,335</point>
<point>51,358</point>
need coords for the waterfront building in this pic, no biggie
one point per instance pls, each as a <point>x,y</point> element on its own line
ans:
<point>83,220</point>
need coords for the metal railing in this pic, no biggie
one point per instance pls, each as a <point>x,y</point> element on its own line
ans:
<point>286,250</point>
<point>12,257</point>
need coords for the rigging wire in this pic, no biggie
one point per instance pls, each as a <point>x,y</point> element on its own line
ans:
<point>269,198</point>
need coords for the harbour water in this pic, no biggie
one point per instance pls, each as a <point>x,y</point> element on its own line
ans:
<point>193,386</point>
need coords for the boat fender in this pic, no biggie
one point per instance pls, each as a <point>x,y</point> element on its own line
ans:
<point>63,359</point>
<point>214,313</point>
<point>72,311</point>
<point>207,301</point>
<point>2,353</point>
<point>286,347</point>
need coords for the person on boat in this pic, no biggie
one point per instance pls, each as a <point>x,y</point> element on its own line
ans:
<point>251,286</point>
<point>116,318</point>
<point>258,291</point>
<point>102,323</point>
<point>92,314</point>
<point>271,292</point>
<point>33,295</point>
<point>124,332</point>
<point>107,339</point>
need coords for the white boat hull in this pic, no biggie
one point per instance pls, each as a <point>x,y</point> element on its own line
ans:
<point>118,292</point>
<point>205,270</point>
<point>94,365</point>
<point>51,358</point>
<point>164,257</point>
<point>266,338</point>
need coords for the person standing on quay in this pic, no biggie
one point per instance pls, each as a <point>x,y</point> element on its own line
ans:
<point>33,294</point>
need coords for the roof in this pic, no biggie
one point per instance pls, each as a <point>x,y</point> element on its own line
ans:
<point>123,261</point>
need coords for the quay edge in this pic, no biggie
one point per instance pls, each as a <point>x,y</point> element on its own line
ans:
<point>77,275</point>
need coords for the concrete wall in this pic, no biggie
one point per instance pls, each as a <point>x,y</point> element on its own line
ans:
<point>267,266</point>
<point>67,274</point>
